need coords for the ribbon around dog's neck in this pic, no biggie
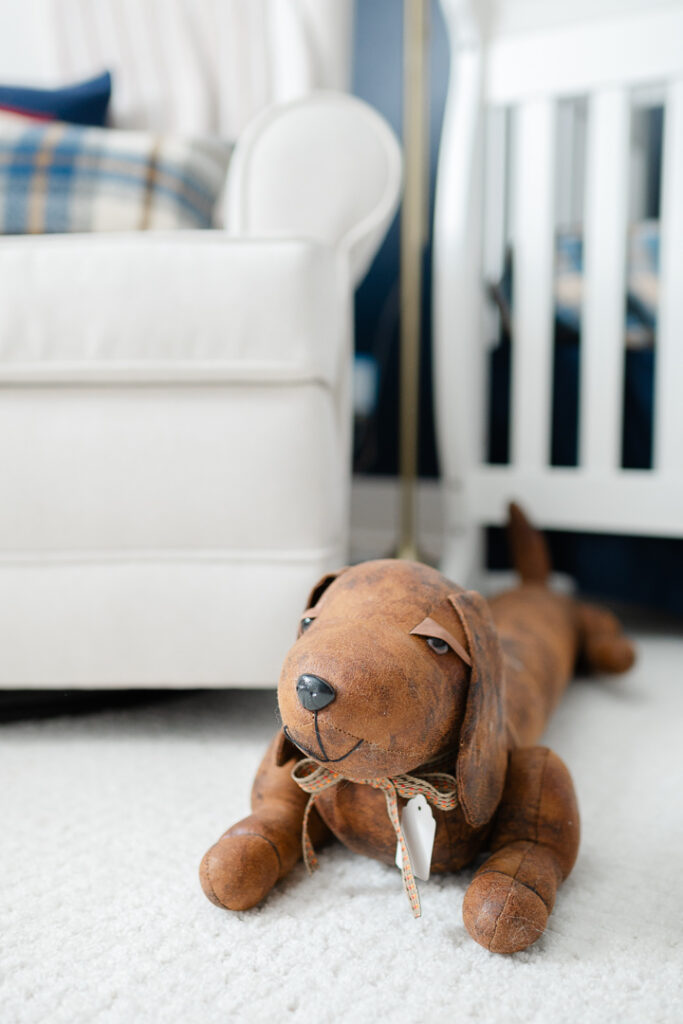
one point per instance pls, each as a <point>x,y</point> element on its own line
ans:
<point>438,791</point>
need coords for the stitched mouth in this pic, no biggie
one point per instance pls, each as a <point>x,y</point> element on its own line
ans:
<point>322,756</point>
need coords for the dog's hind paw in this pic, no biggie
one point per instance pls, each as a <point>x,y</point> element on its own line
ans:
<point>604,646</point>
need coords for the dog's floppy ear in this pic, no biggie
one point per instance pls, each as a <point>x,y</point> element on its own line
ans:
<point>322,585</point>
<point>482,755</point>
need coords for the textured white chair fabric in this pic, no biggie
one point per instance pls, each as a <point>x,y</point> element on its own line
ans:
<point>175,415</point>
<point>188,65</point>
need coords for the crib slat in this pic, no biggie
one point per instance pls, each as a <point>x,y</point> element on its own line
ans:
<point>493,249</point>
<point>533,232</point>
<point>604,269</point>
<point>668,432</point>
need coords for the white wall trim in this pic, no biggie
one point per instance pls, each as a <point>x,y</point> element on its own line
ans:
<point>374,517</point>
<point>374,531</point>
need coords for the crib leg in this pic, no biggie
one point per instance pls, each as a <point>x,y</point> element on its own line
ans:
<point>534,843</point>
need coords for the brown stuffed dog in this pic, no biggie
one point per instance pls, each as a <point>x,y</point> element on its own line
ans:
<point>402,685</point>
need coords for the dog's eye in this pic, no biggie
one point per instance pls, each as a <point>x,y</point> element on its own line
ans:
<point>438,645</point>
<point>305,623</point>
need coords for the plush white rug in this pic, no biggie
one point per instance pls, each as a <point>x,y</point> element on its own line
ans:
<point>104,819</point>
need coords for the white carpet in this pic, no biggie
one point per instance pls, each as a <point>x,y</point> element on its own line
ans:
<point>104,820</point>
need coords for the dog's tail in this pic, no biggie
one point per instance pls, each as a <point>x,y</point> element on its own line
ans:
<point>528,547</point>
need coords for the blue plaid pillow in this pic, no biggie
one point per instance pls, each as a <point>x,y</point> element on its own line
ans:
<point>83,103</point>
<point>56,177</point>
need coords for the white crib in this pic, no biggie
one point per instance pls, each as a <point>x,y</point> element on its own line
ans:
<point>503,169</point>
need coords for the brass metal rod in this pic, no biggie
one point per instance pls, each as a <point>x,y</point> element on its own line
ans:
<point>413,235</point>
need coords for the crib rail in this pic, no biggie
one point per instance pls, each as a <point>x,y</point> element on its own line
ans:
<point>630,47</point>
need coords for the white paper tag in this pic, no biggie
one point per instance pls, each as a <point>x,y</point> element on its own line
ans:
<point>419,829</point>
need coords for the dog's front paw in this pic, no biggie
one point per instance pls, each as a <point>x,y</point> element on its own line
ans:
<point>502,914</point>
<point>239,870</point>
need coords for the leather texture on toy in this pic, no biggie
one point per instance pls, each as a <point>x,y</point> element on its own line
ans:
<point>399,672</point>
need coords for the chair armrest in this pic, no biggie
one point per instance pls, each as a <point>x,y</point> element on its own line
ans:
<point>325,168</point>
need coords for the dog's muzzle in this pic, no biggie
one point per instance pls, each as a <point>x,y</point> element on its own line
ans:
<point>313,692</point>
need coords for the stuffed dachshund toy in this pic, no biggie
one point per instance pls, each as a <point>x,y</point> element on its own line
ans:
<point>411,710</point>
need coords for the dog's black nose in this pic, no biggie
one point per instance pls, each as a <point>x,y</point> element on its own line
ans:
<point>313,692</point>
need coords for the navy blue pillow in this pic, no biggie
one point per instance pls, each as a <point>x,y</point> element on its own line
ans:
<point>83,103</point>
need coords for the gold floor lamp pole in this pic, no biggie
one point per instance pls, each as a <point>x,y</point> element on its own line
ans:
<point>414,226</point>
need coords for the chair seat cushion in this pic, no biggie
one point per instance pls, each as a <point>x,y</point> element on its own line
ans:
<point>196,306</point>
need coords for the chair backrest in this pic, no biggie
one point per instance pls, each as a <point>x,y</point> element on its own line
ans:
<point>515,92</point>
<point>200,66</point>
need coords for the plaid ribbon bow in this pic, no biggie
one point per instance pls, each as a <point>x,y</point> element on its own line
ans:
<point>439,791</point>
